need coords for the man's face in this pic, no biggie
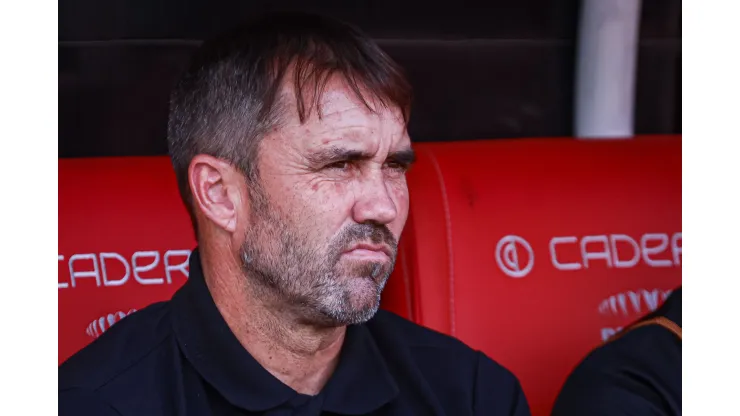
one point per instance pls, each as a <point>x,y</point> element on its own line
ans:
<point>329,208</point>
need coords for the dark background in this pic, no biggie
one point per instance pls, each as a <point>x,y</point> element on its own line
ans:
<point>480,69</point>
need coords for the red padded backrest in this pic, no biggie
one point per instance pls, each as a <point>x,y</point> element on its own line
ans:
<point>534,250</point>
<point>124,239</point>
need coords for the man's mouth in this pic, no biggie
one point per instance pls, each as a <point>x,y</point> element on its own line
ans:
<point>373,252</point>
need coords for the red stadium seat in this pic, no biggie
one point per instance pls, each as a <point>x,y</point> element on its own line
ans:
<point>533,251</point>
<point>530,250</point>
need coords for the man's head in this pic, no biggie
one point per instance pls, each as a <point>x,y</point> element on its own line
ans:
<point>288,138</point>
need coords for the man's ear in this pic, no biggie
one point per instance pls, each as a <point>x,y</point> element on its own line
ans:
<point>217,190</point>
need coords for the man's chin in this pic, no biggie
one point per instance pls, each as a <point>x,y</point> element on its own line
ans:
<point>357,283</point>
<point>358,306</point>
<point>354,267</point>
<point>351,317</point>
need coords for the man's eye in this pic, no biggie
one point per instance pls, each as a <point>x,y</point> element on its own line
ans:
<point>397,166</point>
<point>343,165</point>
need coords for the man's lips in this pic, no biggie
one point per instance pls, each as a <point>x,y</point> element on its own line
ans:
<point>379,252</point>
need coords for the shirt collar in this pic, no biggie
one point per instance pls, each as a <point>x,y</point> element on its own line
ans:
<point>360,384</point>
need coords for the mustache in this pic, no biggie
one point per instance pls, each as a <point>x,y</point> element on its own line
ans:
<point>355,233</point>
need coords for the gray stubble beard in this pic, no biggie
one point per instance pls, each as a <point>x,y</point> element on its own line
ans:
<point>298,276</point>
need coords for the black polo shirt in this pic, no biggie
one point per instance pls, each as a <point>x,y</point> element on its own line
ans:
<point>636,374</point>
<point>180,358</point>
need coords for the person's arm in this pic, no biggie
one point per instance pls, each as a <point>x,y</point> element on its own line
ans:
<point>81,402</point>
<point>590,392</point>
<point>497,391</point>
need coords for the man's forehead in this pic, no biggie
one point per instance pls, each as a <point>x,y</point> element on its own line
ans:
<point>339,99</point>
<point>342,111</point>
<point>339,116</point>
<point>349,125</point>
<point>336,100</point>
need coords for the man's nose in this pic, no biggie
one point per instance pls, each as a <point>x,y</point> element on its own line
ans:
<point>374,202</point>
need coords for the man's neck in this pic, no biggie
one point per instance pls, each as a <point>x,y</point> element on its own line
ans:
<point>301,356</point>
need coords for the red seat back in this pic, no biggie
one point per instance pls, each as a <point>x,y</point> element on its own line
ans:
<point>124,240</point>
<point>533,250</point>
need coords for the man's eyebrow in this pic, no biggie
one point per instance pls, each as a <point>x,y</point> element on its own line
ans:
<point>404,157</point>
<point>336,154</point>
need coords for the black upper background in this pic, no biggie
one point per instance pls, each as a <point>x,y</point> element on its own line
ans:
<point>480,69</point>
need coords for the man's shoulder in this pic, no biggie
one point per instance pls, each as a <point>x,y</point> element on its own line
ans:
<point>436,347</point>
<point>122,349</point>
<point>456,372</point>
<point>413,335</point>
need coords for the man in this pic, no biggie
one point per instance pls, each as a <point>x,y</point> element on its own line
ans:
<point>288,137</point>
<point>637,373</point>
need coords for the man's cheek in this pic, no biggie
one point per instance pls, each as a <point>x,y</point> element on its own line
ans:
<point>400,196</point>
<point>334,200</point>
<point>402,215</point>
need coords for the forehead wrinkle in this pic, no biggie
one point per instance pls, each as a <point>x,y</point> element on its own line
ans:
<point>346,118</point>
<point>358,138</point>
<point>349,111</point>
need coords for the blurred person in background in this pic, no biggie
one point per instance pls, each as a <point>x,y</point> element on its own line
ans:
<point>636,373</point>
